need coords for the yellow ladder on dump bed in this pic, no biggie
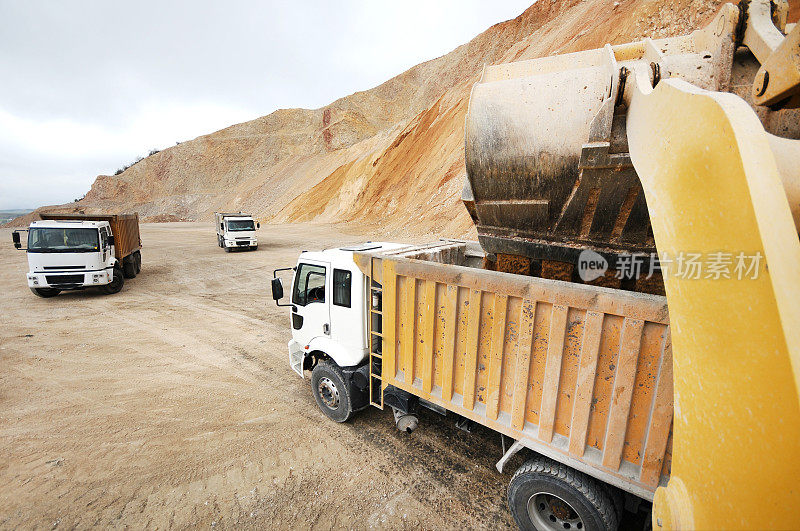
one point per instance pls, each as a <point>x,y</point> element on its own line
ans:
<point>375,323</point>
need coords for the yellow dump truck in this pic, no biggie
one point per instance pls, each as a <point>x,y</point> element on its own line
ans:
<point>579,374</point>
<point>631,313</point>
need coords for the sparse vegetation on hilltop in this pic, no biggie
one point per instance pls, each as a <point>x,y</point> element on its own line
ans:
<point>138,159</point>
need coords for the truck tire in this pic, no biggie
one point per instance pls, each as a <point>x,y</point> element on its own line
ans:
<point>115,286</point>
<point>45,293</point>
<point>331,391</point>
<point>227,249</point>
<point>137,260</point>
<point>254,247</point>
<point>129,266</point>
<point>546,495</point>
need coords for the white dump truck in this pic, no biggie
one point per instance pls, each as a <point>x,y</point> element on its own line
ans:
<point>236,230</point>
<point>78,251</point>
<point>405,326</point>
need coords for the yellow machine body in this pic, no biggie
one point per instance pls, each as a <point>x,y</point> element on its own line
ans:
<point>563,152</point>
<point>712,185</point>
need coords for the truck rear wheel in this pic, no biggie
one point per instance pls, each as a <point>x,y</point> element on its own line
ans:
<point>546,495</point>
<point>331,391</point>
<point>118,280</point>
<point>137,260</point>
<point>45,293</point>
<point>129,267</point>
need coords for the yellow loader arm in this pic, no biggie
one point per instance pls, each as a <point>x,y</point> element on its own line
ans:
<point>712,185</point>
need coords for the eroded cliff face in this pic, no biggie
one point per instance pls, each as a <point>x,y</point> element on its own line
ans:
<point>391,157</point>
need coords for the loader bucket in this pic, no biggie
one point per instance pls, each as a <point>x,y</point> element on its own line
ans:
<point>549,173</point>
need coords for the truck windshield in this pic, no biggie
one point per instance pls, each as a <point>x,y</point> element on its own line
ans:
<point>240,224</point>
<point>66,240</point>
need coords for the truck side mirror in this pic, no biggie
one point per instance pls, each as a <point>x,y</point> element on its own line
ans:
<point>258,225</point>
<point>17,241</point>
<point>111,240</point>
<point>277,289</point>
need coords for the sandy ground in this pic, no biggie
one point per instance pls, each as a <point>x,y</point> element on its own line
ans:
<point>172,404</point>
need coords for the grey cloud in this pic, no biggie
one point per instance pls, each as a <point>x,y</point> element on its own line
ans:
<point>104,64</point>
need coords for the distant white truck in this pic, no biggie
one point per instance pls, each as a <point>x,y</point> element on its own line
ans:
<point>236,230</point>
<point>78,251</point>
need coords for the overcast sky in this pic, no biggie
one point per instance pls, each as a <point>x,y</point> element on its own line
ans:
<point>87,86</point>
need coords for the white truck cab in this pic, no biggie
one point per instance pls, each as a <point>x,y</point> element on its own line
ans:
<point>66,255</point>
<point>328,316</point>
<point>236,231</point>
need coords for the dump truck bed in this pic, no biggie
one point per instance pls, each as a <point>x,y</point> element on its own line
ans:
<point>124,227</point>
<point>579,373</point>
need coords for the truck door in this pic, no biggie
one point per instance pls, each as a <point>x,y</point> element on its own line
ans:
<point>105,248</point>
<point>108,250</point>
<point>347,309</point>
<point>310,302</point>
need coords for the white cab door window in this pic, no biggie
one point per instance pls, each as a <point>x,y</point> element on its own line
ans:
<point>310,302</point>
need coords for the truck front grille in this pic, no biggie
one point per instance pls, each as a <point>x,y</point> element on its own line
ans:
<point>243,243</point>
<point>63,279</point>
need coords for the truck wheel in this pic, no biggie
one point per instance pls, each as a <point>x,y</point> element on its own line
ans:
<point>128,267</point>
<point>546,495</point>
<point>330,391</point>
<point>254,247</point>
<point>115,286</point>
<point>227,249</point>
<point>45,293</point>
<point>137,260</point>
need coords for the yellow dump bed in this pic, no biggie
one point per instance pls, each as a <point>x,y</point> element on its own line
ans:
<point>579,373</point>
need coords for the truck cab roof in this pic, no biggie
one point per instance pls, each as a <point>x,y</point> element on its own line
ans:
<point>345,254</point>
<point>58,224</point>
<point>233,214</point>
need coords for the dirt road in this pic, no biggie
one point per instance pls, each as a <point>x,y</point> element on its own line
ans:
<point>171,404</point>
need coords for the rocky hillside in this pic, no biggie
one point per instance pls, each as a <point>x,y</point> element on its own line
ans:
<point>391,156</point>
